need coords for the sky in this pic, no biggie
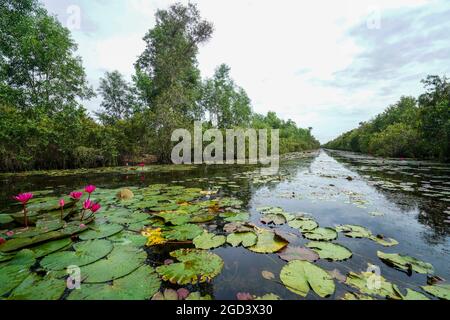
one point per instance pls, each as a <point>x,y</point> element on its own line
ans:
<point>324,64</point>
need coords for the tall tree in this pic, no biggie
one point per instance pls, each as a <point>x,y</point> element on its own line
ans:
<point>119,101</point>
<point>228,105</point>
<point>167,75</point>
<point>38,65</point>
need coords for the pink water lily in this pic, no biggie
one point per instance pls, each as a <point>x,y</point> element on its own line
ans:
<point>87,204</point>
<point>182,293</point>
<point>90,188</point>
<point>2,241</point>
<point>76,195</point>
<point>61,205</point>
<point>82,226</point>
<point>24,198</point>
<point>10,233</point>
<point>95,207</point>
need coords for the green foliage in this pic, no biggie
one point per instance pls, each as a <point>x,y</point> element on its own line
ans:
<point>415,128</point>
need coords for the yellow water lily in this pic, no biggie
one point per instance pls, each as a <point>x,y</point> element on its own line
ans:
<point>154,237</point>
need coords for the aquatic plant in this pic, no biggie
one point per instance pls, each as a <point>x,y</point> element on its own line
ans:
<point>24,198</point>
<point>61,204</point>
<point>76,195</point>
<point>90,189</point>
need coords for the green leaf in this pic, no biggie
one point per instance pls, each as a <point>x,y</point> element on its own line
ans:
<point>303,224</point>
<point>441,291</point>
<point>298,253</point>
<point>183,232</point>
<point>128,238</point>
<point>120,262</point>
<point>268,242</point>
<point>268,297</point>
<point>354,231</point>
<point>194,266</point>
<point>410,294</point>
<point>330,251</point>
<point>273,218</point>
<point>86,252</point>
<point>175,218</point>
<point>247,239</point>
<point>371,284</point>
<point>138,285</point>
<point>299,276</point>
<point>35,287</point>
<point>405,263</point>
<point>321,234</point>
<point>5,218</point>
<point>50,247</point>
<point>208,241</point>
<point>235,216</point>
<point>101,231</point>
<point>12,273</point>
<point>198,296</point>
<point>386,242</point>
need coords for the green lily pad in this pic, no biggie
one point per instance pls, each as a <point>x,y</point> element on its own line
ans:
<point>167,294</point>
<point>208,241</point>
<point>356,296</point>
<point>268,242</point>
<point>371,284</point>
<point>175,218</point>
<point>86,252</point>
<point>183,232</point>
<point>441,291</point>
<point>268,297</point>
<point>235,216</point>
<point>120,262</point>
<point>321,234</point>
<point>128,238</point>
<point>273,218</point>
<point>247,239</point>
<point>299,276</point>
<point>405,263</point>
<point>50,247</point>
<point>330,251</point>
<point>5,218</point>
<point>35,287</point>
<point>354,231</point>
<point>410,294</point>
<point>101,231</point>
<point>138,285</point>
<point>303,224</point>
<point>12,273</point>
<point>386,242</point>
<point>194,266</point>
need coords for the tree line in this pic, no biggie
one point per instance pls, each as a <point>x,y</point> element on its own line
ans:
<point>411,128</point>
<point>43,85</point>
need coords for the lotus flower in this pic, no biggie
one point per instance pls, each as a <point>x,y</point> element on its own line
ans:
<point>89,189</point>
<point>95,207</point>
<point>76,195</point>
<point>87,204</point>
<point>61,205</point>
<point>24,198</point>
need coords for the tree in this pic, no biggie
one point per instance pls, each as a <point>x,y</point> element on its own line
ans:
<point>37,59</point>
<point>167,75</point>
<point>119,101</point>
<point>228,105</point>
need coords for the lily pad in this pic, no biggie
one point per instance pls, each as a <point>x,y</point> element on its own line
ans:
<point>198,296</point>
<point>138,285</point>
<point>35,287</point>
<point>330,251</point>
<point>386,242</point>
<point>120,262</point>
<point>5,218</point>
<point>303,224</point>
<point>268,242</point>
<point>354,231</point>
<point>321,234</point>
<point>50,247</point>
<point>371,284</point>
<point>183,232</point>
<point>299,276</point>
<point>246,239</point>
<point>86,252</point>
<point>298,253</point>
<point>208,241</point>
<point>410,294</point>
<point>194,266</point>
<point>12,273</point>
<point>174,218</point>
<point>441,291</point>
<point>128,238</point>
<point>101,231</point>
<point>273,218</point>
<point>405,263</point>
<point>235,216</point>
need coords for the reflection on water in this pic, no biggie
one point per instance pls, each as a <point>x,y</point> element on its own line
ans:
<point>405,200</point>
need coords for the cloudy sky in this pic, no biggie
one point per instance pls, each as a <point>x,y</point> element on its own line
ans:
<point>324,64</point>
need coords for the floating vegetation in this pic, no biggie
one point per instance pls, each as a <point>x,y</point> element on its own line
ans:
<point>330,251</point>
<point>406,263</point>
